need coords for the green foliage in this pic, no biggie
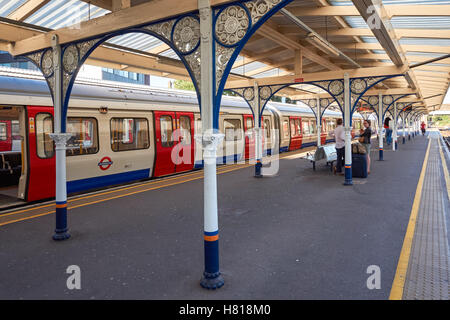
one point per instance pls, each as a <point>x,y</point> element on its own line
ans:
<point>184,85</point>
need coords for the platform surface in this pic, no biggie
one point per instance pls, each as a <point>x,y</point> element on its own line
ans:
<point>298,235</point>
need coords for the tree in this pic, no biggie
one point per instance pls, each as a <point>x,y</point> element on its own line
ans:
<point>184,85</point>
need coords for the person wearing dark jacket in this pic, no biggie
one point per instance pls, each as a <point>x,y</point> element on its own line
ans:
<point>367,135</point>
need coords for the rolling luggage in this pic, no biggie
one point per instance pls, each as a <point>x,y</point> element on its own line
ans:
<point>359,166</point>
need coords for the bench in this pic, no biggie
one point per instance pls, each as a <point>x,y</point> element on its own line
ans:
<point>323,153</point>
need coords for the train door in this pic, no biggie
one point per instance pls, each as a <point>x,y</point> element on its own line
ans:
<point>267,137</point>
<point>323,134</point>
<point>41,154</point>
<point>185,140</point>
<point>249,140</point>
<point>296,133</point>
<point>167,139</point>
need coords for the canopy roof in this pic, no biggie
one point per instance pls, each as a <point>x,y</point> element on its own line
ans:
<point>418,30</point>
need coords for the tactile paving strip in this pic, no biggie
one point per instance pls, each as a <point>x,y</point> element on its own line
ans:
<point>428,272</point>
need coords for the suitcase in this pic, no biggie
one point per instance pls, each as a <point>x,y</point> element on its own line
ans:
<point>359,166</point>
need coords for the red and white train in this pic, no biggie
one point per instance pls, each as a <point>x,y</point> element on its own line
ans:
<point>123,134</point>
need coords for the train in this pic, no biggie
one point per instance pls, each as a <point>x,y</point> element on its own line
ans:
<point>123,133</point>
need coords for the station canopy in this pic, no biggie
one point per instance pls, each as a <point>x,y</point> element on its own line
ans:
<point>308,36</point>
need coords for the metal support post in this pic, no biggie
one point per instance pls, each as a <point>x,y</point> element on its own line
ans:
<point>319,124</point>
<point>348,132</point>
<point>380,127</point>
<point>258,134</point>
<point>212,278</point>
<point>394,134</point>
<point>60,138</point>
<point>403,130</point>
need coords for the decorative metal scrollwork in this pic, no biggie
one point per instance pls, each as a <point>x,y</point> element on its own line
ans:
<point>336,87</point>
<point>249,94</point>
<point>186,34</point>
<point>47,63</point>
<point>387,100</point>
<point>265,92</point>
<point>373,100</point>
<point>232,25</point>
<point>358,86</point>
<point>259,8</point>
<point>71,57</point>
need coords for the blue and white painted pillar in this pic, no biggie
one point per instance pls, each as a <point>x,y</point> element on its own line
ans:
<point>212,278</point>
<point>60,138</point>
<point>394,133</point>
<point>348,132</point>
<point>408,122</point>
<point>319,122</point>
<point>258,132</point>
<point>403,129</point>
<point>380,127</point>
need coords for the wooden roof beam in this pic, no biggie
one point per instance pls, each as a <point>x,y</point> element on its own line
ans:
<point>27,9</point>
<point>317,76</point>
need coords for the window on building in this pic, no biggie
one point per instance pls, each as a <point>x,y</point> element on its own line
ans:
<point>232,129</point>
<point>84,138</point>
<point>166,131</point>
<point>44,144</point>
<point>129,134</point>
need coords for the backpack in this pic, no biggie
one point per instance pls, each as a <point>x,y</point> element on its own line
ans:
<point>358,148</point>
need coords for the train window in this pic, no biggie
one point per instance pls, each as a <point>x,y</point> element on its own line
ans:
<point>44,144</point>
<point>285,129</point>
<point>313,126</point>
<point>84,138</point>
<point>298,127</point>
<point>305,125</point>
<point>293,131</point>
<point>15,130</point>
<point>249,123</point>
<point>185,129</point>
<point>267,127</point>
<point>129,134</point>
<point>166,131</point>
<point>232,129</point>
<point>3,132</point>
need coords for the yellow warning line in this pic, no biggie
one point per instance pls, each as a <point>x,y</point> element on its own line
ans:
<point>402,266</point>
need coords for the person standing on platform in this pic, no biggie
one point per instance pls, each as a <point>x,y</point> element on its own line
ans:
<point>388,131</point>
<point>422,127</point>
<point>367,135</point>
<point>339,137</point>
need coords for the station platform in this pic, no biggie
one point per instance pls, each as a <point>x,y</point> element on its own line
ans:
<point>298,235</point>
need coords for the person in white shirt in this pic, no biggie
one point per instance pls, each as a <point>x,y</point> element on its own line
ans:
<point>339,137</point>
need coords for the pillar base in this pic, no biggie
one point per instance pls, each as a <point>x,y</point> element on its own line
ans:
<point>61,235</point>
<point>258,167</point>
<point>409,137</point>
<point>212,281</point>
<point>403,140</point>
<point>380,155</point>
<point>348,176</point>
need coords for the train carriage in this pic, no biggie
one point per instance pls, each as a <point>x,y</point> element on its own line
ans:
<point>133,132</point>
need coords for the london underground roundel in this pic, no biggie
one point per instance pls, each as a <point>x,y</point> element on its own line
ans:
<point>105,163</point>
